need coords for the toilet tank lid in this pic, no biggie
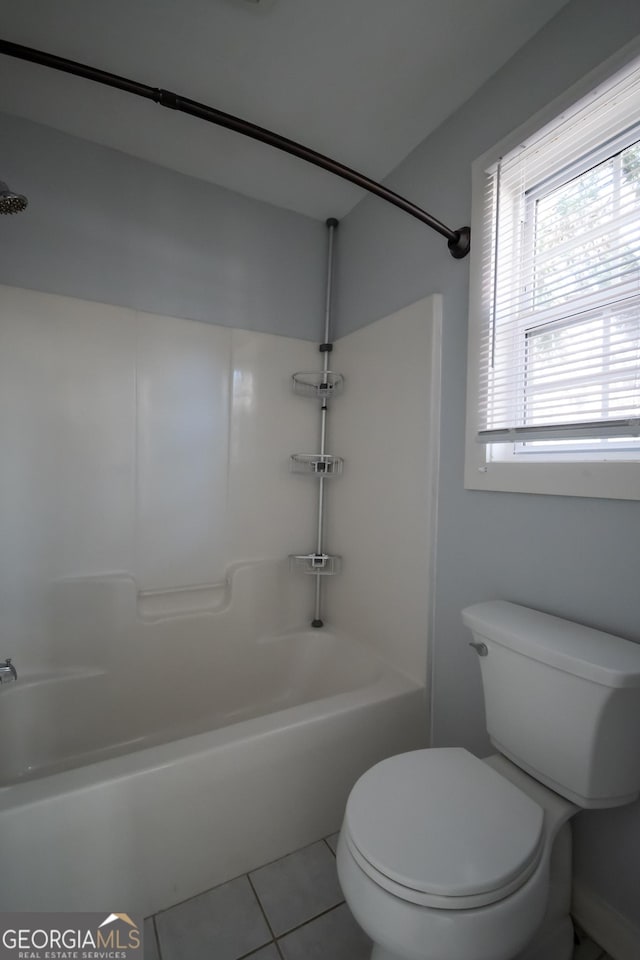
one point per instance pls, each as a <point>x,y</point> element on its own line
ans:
<point>600,657</point>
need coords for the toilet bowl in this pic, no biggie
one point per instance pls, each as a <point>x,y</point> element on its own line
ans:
<point>446,857</point>
<point>443,856</point>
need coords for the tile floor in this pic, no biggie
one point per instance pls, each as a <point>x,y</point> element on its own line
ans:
<point>292,909</point>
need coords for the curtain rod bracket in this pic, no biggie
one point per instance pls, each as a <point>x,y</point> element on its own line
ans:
<point>460,246</point>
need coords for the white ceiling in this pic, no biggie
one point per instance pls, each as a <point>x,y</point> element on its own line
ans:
<point>363,81</point>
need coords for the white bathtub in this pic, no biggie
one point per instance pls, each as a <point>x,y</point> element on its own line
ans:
<point>71,718</point>
<point>135,794</point>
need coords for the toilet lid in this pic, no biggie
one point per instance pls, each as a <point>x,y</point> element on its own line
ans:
<point>442,828</point>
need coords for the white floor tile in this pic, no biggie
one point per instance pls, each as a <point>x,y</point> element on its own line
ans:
<point>298,887</point>
<point>225,923</point>
<point>333,936</point>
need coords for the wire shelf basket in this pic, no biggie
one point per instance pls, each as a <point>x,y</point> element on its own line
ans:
<point>317,464</point>
<point>321,385</point>
<point>315,563</point>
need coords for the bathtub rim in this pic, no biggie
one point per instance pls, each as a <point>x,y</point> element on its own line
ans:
<point>181,751</point>
<point>369,668</point>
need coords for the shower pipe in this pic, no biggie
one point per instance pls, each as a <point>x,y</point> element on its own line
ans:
<point>458,241</point>
<point>325,348</point>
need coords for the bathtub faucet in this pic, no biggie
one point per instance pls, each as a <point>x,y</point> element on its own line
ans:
<point>7,671</point>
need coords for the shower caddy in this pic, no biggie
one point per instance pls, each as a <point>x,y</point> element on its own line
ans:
<point>320,385</point>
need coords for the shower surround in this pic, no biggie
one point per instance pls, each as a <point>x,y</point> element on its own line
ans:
<point>174,720</point>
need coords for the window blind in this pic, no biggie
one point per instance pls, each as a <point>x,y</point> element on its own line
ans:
<point>560,338</point>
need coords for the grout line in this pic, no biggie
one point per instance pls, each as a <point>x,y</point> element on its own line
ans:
<point>247,956</point>
<point>329,845</point>
<point>262,910</point>
<point>157,938</point>
<point>317,916</point>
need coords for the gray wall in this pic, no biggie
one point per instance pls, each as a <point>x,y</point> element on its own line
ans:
<point>105,226</point>
<point>577,558</point>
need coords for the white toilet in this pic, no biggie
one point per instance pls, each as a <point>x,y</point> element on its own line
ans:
<point>443,856</point>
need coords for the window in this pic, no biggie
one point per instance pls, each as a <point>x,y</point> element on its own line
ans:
<point>554,356</point>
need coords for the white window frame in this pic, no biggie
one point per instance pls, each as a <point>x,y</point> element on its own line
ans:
<point>587,477</point>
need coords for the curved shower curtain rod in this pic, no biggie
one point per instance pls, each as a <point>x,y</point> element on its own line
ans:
<point>458,241</point>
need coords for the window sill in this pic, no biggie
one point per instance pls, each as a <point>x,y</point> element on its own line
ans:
<point>603,479</point>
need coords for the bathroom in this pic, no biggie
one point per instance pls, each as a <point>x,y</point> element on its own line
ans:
<point>128,260</point>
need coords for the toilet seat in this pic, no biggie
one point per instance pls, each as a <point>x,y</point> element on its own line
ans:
<point>442,829</point>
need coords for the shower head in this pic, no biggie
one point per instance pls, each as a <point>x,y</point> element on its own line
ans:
<point>11,202</point>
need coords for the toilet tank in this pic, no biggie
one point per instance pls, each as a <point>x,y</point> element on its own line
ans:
<point>562,701</point>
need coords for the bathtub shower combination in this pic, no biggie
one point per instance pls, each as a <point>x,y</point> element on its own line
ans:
<point>147,782</point>
<point>172,725</point>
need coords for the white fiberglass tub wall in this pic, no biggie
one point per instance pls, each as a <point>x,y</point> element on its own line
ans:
<point>382,512</point>
<point>137,444</point>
